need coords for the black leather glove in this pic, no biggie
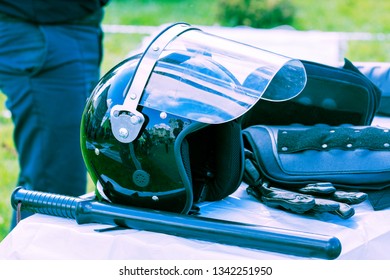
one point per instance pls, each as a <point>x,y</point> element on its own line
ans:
<point>317,198</point>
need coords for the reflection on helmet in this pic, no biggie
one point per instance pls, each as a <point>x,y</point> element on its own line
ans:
<point>176,142</point>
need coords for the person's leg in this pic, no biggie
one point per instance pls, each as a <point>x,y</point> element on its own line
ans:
<point>60,90</point>
<point>22,53</point>
<point>47,80</point>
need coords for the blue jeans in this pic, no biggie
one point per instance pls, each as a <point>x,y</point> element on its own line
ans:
<point>47,72</point>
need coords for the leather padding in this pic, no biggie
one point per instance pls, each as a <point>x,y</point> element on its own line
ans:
<point>359,168</point>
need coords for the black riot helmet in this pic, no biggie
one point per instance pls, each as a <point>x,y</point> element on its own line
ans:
<point>161,130</point>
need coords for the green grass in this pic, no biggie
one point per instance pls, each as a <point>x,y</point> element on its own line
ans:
<point>8,171</point>
<point>331,15</point>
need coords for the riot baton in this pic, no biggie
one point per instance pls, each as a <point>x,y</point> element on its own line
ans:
<point>272,239</point>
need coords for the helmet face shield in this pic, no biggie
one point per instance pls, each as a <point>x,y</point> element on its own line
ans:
<point>218,79</point>
<point>202,77</point>
<point>155,122</point>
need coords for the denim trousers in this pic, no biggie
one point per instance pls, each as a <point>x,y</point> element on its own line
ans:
<point>47,72</point>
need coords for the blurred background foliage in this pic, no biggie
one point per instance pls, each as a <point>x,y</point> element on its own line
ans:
<point>256,13</point>
<point>331,15</point>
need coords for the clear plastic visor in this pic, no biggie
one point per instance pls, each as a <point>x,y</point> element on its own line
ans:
<point>206,78</point>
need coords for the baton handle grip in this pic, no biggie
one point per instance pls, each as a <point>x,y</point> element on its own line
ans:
<point>45,203</point>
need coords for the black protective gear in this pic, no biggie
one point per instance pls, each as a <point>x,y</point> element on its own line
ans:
<point>313,198</point>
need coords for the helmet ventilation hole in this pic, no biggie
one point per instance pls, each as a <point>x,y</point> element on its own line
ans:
<point>141,178</point>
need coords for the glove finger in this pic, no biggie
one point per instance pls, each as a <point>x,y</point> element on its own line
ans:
<point>325,205</point>
<point>279,198</point>
<point>318,189</point>
<point>349,197</point>
<point>345,211</point>
<point>251,174</point>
